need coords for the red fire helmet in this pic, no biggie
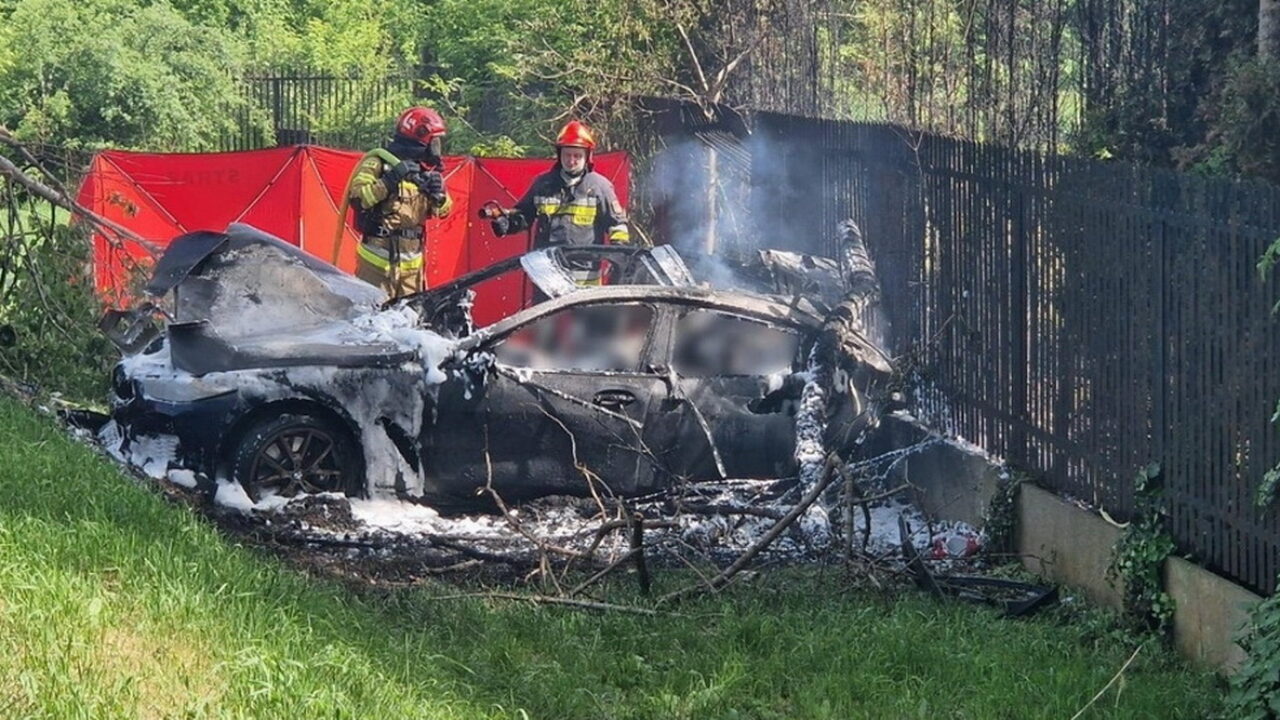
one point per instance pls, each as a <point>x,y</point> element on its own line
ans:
<point>420,124</point>
<point>575,134</point>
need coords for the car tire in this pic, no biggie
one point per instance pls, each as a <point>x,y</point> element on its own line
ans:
<point>295,452</point>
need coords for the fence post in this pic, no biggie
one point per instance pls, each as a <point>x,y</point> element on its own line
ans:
<point>1019,328</point>
<point>277,108</point>
<point>1161,342</point>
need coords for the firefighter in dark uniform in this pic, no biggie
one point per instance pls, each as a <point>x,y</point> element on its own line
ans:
<point>394,189</point>
<point>569,204</point>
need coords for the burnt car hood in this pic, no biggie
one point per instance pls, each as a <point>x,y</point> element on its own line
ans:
<point>247,282</point>
<point>246,299</point>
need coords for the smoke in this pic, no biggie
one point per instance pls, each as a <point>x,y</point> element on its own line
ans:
<point>702,193</point>
<point>720,200</point>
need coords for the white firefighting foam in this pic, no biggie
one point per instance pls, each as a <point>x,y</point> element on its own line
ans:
<point>573,522</point>
<point>371,397</point>
<point>258,288</point>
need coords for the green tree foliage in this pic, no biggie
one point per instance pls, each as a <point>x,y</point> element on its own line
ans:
<point>163,75</point>
<point>517,69</point>
<point>48,332</point>
<point>1244,123</point>
<point>1152,74</point>
<point>1255,687</point>
<point>112,72</point>
<point>1172,83</point>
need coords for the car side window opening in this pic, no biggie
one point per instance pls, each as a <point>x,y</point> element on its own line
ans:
<point>598,338</point>
<point>709,343</point>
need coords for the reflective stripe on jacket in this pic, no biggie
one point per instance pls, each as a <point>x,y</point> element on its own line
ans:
<point>586,213</point>
<point>384,210</point>
<point>376,254</point>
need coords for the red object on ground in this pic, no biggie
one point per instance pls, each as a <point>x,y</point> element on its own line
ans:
<point>955,545</point>
<point>294,193</point>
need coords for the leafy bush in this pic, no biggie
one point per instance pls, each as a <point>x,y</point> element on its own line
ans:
<point>48,314</point>
<point>112,72</point>
<point>1255,687</point>
<point>1246,123</point>
<point>1139,556</point>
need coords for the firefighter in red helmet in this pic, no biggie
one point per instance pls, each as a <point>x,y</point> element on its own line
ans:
<point>569,204</point>
<point>394,189</point>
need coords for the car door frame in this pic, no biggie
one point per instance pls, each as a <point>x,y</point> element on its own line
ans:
<point>706,450</point>
<point>555,446</point>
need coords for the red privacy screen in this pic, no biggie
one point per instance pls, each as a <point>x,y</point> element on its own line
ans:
<point>294,193</point>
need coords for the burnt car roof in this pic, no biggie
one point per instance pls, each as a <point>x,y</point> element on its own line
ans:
<point>666,268</point>
<point>796,312</point>
<point>801,315</point>
<point>240,294</point>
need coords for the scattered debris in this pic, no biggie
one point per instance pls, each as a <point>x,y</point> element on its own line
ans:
<point>603,467</point>
<point>1014,597</point>
<point>707,526</point>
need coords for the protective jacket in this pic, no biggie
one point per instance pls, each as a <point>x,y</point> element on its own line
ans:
<point>585,212</point>
<point>390,218</point>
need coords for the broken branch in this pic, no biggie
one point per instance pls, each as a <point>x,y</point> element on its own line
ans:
<point>731,510</point>
<point>637,551</point>
<point>604,571</point>
<point>11,171</point>
<point>809,498</point>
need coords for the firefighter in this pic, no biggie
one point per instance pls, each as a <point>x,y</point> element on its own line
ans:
<point>394,189</point>
<point>569,204</point>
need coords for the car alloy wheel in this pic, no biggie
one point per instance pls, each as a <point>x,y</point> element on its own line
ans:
<point>291,453</point>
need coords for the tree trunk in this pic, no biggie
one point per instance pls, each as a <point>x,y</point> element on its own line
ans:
<point>1269,29</point>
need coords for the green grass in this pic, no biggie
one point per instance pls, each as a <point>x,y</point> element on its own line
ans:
<point>115,603</point>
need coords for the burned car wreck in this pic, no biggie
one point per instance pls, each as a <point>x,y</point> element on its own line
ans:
<point>281,373</point>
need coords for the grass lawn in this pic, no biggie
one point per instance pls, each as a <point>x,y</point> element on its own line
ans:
<point>116,603</point>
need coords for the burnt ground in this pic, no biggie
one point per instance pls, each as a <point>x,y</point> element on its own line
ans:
<point>556,543</point>
<point>711,534</point>
<point>552,541</point>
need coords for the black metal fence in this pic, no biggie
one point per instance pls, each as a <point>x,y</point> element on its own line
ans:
<point>1078,318</point>
<point>290,107</point>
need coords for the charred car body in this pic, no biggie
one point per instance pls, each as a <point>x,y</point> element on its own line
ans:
<point>284,374</point>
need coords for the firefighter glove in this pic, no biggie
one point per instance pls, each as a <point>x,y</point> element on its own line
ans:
<point>404,170</point>
<point>501,225</point>
<point>432,185</point>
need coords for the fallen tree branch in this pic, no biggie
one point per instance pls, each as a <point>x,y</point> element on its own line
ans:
<point>26,154</point>
<point>637,551</point>
<point>745,558</point>
<point>456,567</point>
<point>11,171</point>
<point>544,548</point>
<point>603,572</point>
<point>475,553</point>
<point>689,564</point>
<point>884,495</point>
<point>730,510</point>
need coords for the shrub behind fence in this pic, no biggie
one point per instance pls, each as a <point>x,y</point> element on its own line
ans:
<point>290,107</point>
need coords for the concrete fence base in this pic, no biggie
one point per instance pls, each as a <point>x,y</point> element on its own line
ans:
<point>1070,545</point>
